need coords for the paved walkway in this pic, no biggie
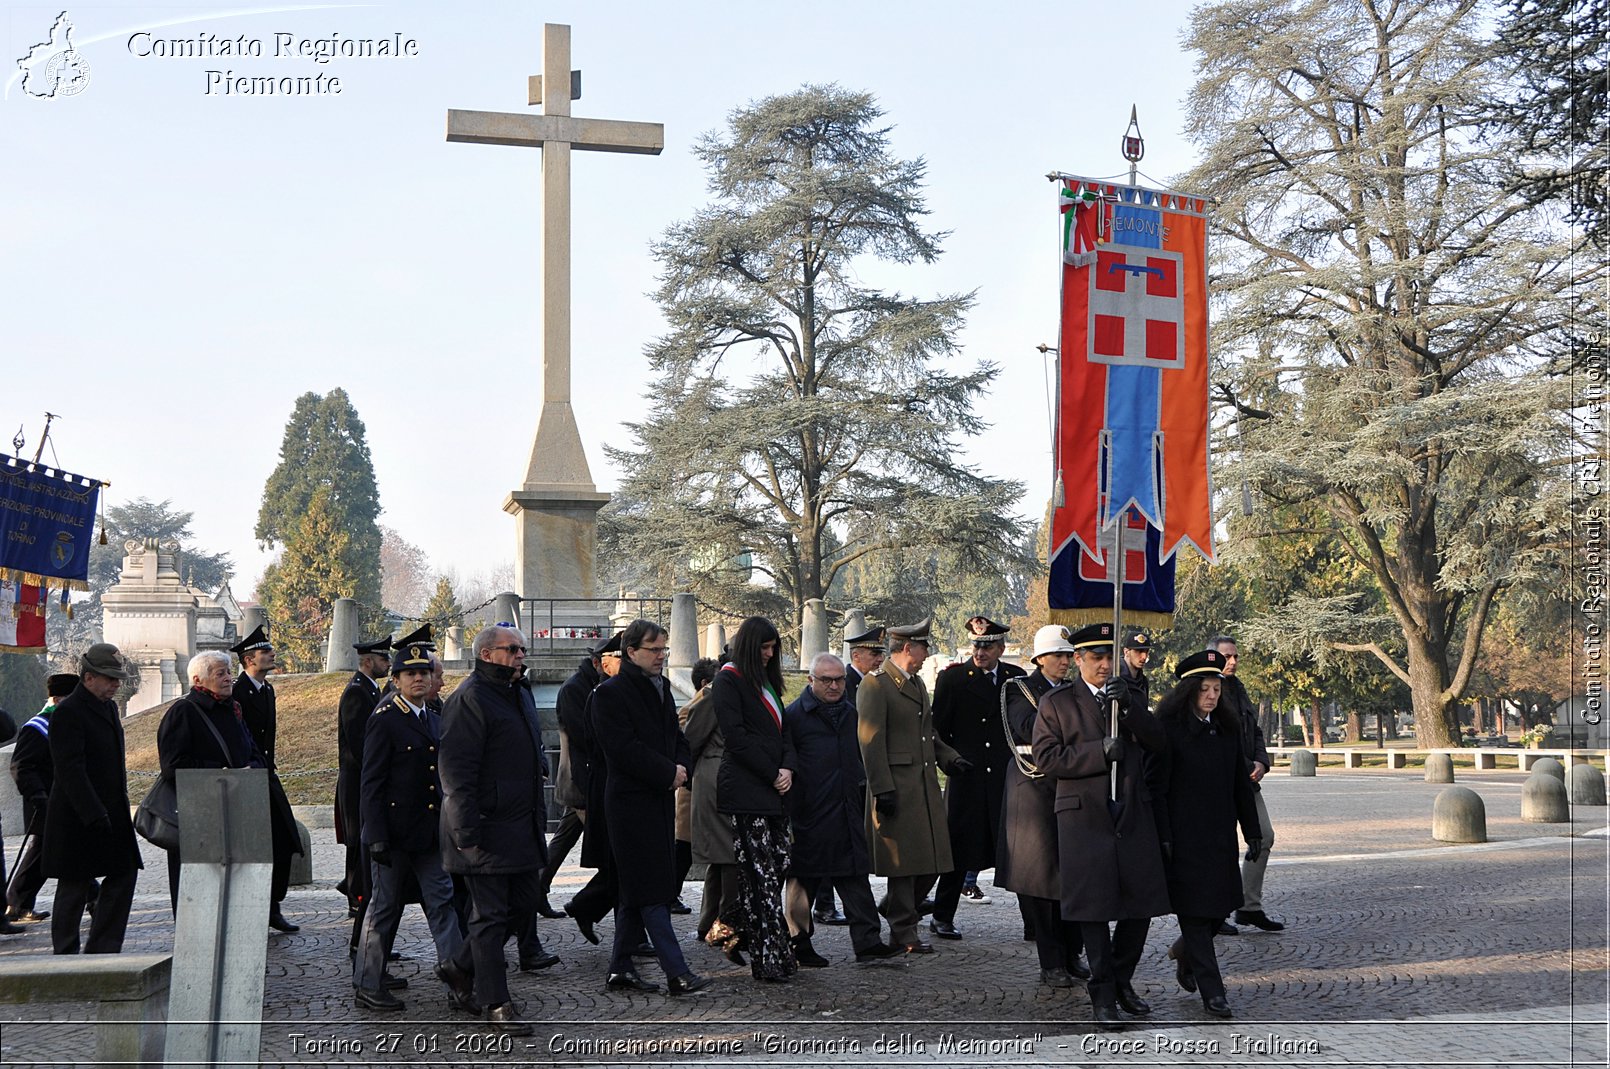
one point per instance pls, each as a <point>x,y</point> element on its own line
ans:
<point>1399,952</point>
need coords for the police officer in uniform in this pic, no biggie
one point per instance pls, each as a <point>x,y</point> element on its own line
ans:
<point>400,800</point>
<point>255,696</point>
<point>358,702</point>
<point>967,715</point>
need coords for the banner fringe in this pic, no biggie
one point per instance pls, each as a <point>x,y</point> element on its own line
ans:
<point>1159,621</point>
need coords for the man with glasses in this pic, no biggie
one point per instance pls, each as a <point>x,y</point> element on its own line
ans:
<point>903,755</point>
<point>493,819</point>
<point>827,805</point>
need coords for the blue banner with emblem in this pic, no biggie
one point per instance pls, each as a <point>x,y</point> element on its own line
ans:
<point>47,524</point>
<point>1081,587</point>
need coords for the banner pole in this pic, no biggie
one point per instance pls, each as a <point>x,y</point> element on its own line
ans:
<point>1116,570</point>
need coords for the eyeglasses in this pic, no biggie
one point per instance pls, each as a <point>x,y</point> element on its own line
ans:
<point>511,649</point>
<point>655,650</point>
<point>827,681</point>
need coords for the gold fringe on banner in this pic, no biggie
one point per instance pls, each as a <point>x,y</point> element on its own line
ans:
<point>49,582</point>
<point>1159,621</point>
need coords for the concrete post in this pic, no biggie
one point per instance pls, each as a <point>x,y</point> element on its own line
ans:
<point>506,610</point>
<point>252,617</point>
<point>1550,766</point>
<point>812,632</point>
<point>453,644</point>
<point>684,641</point>
<point>854,624</point>
<point>341,657</point>
<point>1459,816</point>
<point>715,639</point>
<point>1543,800</point>
<point>1439,768</point>
<point>1585,784</point>
<point>1304,763</point>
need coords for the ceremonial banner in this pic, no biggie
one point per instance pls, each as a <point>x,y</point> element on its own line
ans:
<point>1132,406</point>
<point>22,617</point>
<point>47,522</point>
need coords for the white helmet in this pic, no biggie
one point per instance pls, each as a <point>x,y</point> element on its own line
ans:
<point>1052,638</point>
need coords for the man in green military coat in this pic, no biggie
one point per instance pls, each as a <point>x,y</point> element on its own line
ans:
<point>906,822</point>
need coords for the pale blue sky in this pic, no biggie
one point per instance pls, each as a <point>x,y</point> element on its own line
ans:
<point>179,267</point>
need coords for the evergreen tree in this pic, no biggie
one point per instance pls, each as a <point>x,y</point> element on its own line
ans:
<point>316,567</point>
<point>442,610</point>
<point>801,420</point>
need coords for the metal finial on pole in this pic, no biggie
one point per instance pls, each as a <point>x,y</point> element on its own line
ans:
<point>44,437</point>
<point>1134,146</point>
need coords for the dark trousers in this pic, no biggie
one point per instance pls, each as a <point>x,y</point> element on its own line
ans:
<point>866,930</point>
<point>500,906</point>
<point>1195,948</point>
<point>948,895</point>
<point>1113,955</point>
<point>1056,941</point>
<point>389,882</point>
<point>631,924</point>
<point>559,847</point>
<point>684,862</point>
<point>823,902</point>
<point>720,901</point>
<point>594,901</point>
<point>22,893</point>
<point>111,918</point>
<point>901,903</point>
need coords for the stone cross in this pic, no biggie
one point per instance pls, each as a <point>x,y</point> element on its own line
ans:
<point>557,504</point>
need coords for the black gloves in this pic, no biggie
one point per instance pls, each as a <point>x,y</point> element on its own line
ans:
<point>380,854</point>
<point>1116,690</point>
<point>1112,748</point>
<point>1254,849</point>
<point>885,805</point>
<point>959,766</point>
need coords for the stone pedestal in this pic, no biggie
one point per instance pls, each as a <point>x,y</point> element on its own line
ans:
<point>684,641</point>
<point>854,624</point>
<point>812,632</point>
<point>150,616</point>
<point>341,657</point>
<point>453,644</point>
<point>715,640</point>
<point>555,540</point>
<point>506,610</point>
<point>251,618</point>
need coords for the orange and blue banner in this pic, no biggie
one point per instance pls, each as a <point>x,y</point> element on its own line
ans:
<point>1132,406</point>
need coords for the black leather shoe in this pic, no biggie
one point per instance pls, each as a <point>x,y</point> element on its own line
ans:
<point>1077,970</point>
<point>457,980</point>
<point>1182,973</point>
<point>806,954</point>
<point>277,921</point>
<point>7,928</point>
<point>835,919</point>
<point>919,947</point>
<point>679,908</point>
<point>545,960</point>
<point>1131,1003</point>
<point>504,1019</point>
<point>545,909</point>
<point>1107,1017</point>
<point>376,1000</point>
<point>586,927</point>
<point>925,907</point>
<point>1218,1006</point>
<point>29,916</point>
<point>943,929</point>
<point>393,983</point>
<point>629,981</point>
<point>463,1003</point>
<point>1258,919</point>
<point>1056,978</point>
<point>687,984</point>
<point>1226,928</point>
<point>879,952</point>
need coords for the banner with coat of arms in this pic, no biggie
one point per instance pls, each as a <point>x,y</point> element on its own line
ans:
<point>47,524</point>
<point>22,617</point>
<point>1132,406</point>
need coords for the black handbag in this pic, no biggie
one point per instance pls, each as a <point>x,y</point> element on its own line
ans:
<point>157,819</point>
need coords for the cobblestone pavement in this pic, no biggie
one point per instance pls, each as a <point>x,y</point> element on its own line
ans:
<point>1399,951</point>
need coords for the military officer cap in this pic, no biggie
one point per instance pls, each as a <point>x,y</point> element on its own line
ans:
<point>917,632</point>
<point>611,645</point>
<point>1138,640</point>
<point>986,632</point>
<point>411,656</point>
<point>60,684</point>
<point>257,640</point>
<point>1203,663</point>
<point>1096,637</point>
<point>379,647</point>
<point>420,637</point>
<point>871,640</point>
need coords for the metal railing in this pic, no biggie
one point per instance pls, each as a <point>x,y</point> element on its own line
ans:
<point>551,621</point>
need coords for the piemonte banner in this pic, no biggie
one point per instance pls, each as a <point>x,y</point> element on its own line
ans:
<point>1132,404</point>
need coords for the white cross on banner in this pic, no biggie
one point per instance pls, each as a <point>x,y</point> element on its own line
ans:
<point>1137,309</point>
<point>1133,528</point>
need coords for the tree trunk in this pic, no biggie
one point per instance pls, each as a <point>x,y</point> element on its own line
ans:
<point>1274,732</point>
<point>1316,724</point>
<point>1434,725</point>
<point>1355,726</point>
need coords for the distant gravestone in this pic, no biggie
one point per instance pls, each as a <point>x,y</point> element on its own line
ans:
<point>1549,766</point>
<point>1585,785</point>
<point>1439,768</point>
<point>1458,816</point>
<point>1543,800</point>
<point>1304,763</point>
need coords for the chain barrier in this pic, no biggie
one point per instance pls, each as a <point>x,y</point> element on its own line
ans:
<point>281,773</point>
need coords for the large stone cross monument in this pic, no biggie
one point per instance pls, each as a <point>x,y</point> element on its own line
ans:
<point>556,507</point>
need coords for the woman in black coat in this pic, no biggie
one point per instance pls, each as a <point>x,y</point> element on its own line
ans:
<point>1202,792</point>
<point>756,771</point>
<point>646,759</point>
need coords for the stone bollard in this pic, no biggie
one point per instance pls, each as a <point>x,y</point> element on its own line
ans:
<point>1585,785</point>
<point>684,641</point>
<point>1543,800</point>
<point>251,618</point>
<point>1549,766</point>
<point>1458,816</point>
<point>854,624</point>
<point>302,864</point>
<point>715,640</point>
<point>341,657</point>
<point>812,632</point>
<point>453,644</point>
<point>1439,768</point>
<point>506,610</point>
<point>1304,763</point>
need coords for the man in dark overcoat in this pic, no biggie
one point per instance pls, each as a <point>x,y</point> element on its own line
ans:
<point>827,808</point>
<point>493,816</point>
<point>255,696</point>
<point>570,781</point>
<point>597,897</point>
<point>1028,858</point>
<point>1108,854</point>
<point>358,702</point>
<point>402,799</point>
<point>33,773</point>
<point>866,653</point>
<point>903,754</point>
<point>88,830</point>
<point>1240,705</point>
<point>967,715</point>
